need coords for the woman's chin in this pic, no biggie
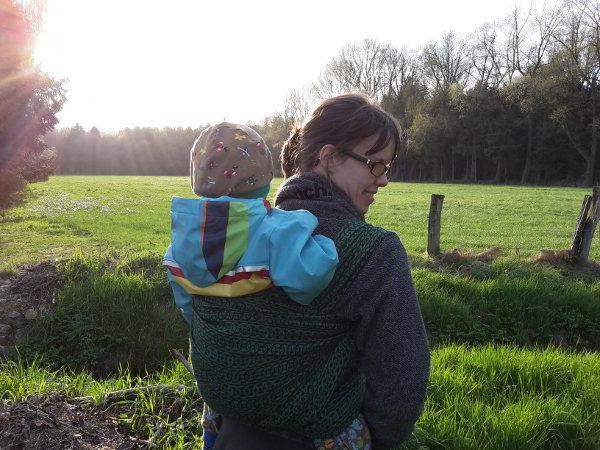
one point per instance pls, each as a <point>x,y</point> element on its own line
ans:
<point>364,207</point>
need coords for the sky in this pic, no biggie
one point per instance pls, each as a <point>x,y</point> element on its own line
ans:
<point>189,62</point>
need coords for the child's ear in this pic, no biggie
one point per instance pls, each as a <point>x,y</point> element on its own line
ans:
<point>192,170</point>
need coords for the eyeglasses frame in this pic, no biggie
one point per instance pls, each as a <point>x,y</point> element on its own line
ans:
<point>370,163</point>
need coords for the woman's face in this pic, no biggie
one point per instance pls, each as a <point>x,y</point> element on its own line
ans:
<point>354,177</point>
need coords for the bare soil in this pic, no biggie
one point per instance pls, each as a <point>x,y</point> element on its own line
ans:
<point>24,296</point>
<point>51,423</point>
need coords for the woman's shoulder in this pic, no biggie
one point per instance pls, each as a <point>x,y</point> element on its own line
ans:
<point>362,231</point>
<point>389,244</point>
<point>365,243</point>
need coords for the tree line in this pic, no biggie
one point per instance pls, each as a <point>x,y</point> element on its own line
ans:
<point>515,101</point>
<point>132,151</point>
<point>144,150</point>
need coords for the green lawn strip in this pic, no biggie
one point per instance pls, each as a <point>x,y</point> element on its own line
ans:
<point>131,214</point>
<point>496,397</point>
<point>111,312</point>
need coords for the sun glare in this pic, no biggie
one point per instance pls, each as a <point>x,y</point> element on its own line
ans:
<point>156,63</point>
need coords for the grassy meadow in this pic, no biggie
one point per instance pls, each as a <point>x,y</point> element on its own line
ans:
<point>131,214</point>
<point>515,362</point>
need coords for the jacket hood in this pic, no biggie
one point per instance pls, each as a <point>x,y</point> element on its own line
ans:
<point>224,223</point>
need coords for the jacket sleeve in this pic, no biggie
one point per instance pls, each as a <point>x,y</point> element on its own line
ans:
<point>183,300</point>
<point>392,342</point>
<point>300,263</point>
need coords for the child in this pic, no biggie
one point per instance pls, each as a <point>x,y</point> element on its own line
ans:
<point>231,242</point>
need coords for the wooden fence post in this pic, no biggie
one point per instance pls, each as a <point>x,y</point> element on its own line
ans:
<point>435,224</point>
<point>586,226</point>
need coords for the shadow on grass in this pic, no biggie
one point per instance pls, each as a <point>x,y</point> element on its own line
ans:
<point>507,301</point>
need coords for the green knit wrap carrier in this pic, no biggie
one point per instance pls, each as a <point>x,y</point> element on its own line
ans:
<point>278,365</point>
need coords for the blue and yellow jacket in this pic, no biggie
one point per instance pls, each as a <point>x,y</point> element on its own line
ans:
<point>230,247</point>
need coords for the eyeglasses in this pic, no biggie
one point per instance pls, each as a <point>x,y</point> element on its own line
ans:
<point>377,168</point>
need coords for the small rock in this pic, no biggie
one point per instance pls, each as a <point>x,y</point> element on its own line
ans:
<point>559,340</point>
<point>14,315</point>
<point>3,352</point>
<point>4,329</point>
<point>31,314</point>
<point>16,302</point>
<point>3,340</point>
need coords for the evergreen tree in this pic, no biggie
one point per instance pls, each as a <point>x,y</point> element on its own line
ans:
<point>29,101</point>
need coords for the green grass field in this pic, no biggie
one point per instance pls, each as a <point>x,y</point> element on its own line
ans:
<point>498,379</point>
<point>131,214</point>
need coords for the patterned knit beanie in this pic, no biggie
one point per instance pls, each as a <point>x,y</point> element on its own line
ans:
<point>229,159</point>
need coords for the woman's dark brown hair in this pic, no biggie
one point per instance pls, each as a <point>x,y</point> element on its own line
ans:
<point>342,121</point>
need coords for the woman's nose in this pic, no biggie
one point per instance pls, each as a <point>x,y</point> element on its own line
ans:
<point>382,180</point>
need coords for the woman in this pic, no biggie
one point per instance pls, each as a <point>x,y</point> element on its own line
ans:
<point>350,369</point>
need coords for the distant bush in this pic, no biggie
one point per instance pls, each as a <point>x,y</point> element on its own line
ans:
<point>36,167</point>
<point>106,317</point>
<point>39,166</point>
<point>11,181</point>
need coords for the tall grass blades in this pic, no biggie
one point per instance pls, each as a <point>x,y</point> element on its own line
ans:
<point>507,398</point>
<point>494,397</point>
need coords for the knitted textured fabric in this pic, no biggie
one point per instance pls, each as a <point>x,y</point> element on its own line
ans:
<point>280,366</point>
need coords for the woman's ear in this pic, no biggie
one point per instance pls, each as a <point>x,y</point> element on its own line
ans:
<point>327,156</point>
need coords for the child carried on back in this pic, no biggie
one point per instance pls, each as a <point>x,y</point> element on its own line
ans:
<point>231,243</point>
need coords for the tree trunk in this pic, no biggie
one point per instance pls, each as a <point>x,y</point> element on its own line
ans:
<point>571,173</point>
<point>591,162</point>
<point>467,168</point>
<point>436,170</point>
<point>529,154</point>
<point>452,165</point>
<point>412,173</point>
<point>499,167</point>
<point>442,169</point>
<point>473,176</point>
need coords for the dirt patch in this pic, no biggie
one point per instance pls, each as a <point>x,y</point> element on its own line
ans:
<point>457,256</point>
<point>561,259</point>
<point>471,263</point>
<point>24,296</point>
<point>54,423</point>
<point>552,256</point>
